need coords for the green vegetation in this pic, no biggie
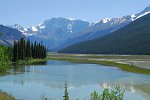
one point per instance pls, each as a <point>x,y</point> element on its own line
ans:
<point>102,56</point>
<point>24,50</point>
<point>125,67</point>
<point>30,61</point>
<point>1,33</point>
<point>5,58</point>
<point>114,94</point>
<point>5,96</point>
<point>108,94</point>
<point>66,95</point>
<point>134,38</point>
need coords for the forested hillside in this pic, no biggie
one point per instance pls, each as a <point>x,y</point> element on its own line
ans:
<point>131,39</point>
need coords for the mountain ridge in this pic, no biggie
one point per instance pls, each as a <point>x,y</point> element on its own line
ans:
<point>59,33</point>
<point>8,35</point>
<point>131,39</point>
<point>103,27</point>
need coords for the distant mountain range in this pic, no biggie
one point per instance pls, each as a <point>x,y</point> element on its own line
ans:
<point>54,31</point>
<point>58,33</point>
<point>103,27</point>
<point>133,38</point>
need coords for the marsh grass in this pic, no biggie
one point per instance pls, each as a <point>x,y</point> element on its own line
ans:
<point>30,62</point>
<point>124,67</point>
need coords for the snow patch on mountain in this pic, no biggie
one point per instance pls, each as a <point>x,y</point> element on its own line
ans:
<point>69,27</point>
<point>25,29</point>
<point>105,20</point>
<point>132,17</point>
<point>41,26</point>
<point>71,18</point>
<point>34,29</point>
<point>141,15</point>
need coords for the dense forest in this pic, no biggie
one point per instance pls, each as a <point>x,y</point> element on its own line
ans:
<point>21,50</point>
<point>24,50</point>
<point>134,38</point>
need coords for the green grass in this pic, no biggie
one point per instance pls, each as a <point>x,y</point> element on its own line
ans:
<point>30,61</point>
<point>101,56</point>
<point>6,96</point>
<point>124,67</point>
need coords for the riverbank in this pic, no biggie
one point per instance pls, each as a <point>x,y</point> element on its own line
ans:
<point>108,60</point>
<point>30,61</point>
<point>6,96</point>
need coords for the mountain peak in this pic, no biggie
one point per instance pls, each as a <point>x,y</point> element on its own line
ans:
<point>71,18</point>
<point>104,20</point>
<point>34,29</point>
<point>147,8</point>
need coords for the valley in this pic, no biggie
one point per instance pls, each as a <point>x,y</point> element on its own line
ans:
<point>47,80</point>
<point>59,33</point>
<point>62,58</point>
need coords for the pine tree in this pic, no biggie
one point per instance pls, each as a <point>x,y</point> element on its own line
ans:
<point>15,52</point>
<point>32,50</point>
<point>66,95</point>
<point>24,50</point>
<point>28,49</point>
<point>19,50</point>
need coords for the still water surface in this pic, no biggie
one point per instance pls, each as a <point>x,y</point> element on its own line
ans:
<point>35,81</point>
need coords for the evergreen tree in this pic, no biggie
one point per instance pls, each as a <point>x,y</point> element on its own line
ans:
<point>24,50</point>
<point>19,50</point>
<point>28,49</point>
<point>35,50</point>
<point>15,52</point>
<point>66,96</point>
<point>32,50</point>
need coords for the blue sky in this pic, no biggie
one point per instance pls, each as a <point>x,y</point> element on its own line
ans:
<point>33,12</point>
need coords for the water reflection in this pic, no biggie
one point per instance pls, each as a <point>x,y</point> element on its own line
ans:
<point>82,79</point>
<point>143,89</point>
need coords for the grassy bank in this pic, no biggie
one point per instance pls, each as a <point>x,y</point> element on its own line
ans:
<point>30,61</point>
<point>124,67</point>
<point>102,56</point>
<point>5,96</point>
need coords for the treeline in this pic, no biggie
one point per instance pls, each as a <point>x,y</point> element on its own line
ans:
<point>23,50</point>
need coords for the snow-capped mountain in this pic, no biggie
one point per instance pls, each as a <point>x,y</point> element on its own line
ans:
<point>141,14</point>
<point>26,31</point>
<point>54,31</point>
<point>8,35</point>
<point>127,18</point>
<point>103,27</point>
<point>67,25</point>
<point>61,32</point>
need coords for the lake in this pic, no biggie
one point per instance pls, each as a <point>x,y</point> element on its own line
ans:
<point>32,82</point>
